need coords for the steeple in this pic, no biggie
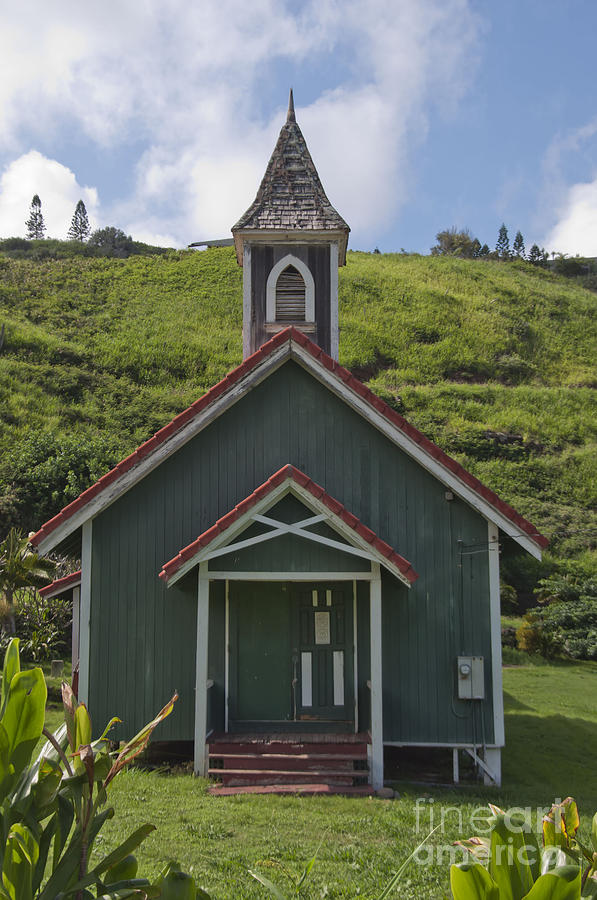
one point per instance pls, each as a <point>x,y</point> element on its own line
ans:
<point>290,242</point>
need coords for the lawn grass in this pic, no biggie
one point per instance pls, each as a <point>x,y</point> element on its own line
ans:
<point>551,732</point>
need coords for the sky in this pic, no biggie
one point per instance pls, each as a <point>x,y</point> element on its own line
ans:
<point>420,115</point>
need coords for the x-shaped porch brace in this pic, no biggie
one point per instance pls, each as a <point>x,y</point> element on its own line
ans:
<point>299,529</point>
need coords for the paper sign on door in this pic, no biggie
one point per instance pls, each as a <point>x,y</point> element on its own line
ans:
<point>322,628</point>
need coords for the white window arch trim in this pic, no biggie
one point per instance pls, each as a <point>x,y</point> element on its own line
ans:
<point>272,280</point>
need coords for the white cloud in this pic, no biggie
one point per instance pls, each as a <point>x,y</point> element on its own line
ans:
<point>58,190</point>
<point>576,230</point>
<point>184,80</point>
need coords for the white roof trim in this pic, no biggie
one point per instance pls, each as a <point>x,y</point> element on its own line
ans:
<point>263,369</point>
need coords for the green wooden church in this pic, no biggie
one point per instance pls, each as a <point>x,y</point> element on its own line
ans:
<point>316,578</point>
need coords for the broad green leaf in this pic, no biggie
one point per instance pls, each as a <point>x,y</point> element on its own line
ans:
<point>271,887</point>
<point>126,848</point>
<point>136,745</point>
<point>48,782</point>
<point>12,665</point>
<point>20,858</point>
<point>44,848</point>
<point>472,881</point>
<point>7,773</point>
<point>64,823</point>
<point>178,886</point>
<point>560,884</point>
<point>124,869</point>
<point>594,833</point>
<point>113,721</point>
<point>590,888</point>
<point>514,856</point>
<point>24,716</point>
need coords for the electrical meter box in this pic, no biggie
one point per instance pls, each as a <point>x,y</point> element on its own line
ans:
<point>471,678</point>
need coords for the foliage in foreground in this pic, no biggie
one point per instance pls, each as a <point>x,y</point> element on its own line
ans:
<point>52,810</point>
<point>510,865</point>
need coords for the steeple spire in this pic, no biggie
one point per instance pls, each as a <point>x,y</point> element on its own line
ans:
<point>290,117</point>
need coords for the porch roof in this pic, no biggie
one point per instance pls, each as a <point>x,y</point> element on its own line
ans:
<point>61,585</point>
<point>288,479</point>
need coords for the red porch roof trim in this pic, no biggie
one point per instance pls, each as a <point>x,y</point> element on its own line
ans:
<point>287,473</point>
<point>61,585</point>
<point>288,335</point>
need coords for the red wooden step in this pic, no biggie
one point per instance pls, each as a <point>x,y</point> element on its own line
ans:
<point>361,790</point>
<point>354,751</point>
<point>281,761</point>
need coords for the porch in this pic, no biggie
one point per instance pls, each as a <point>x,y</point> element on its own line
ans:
<point>289,636</point>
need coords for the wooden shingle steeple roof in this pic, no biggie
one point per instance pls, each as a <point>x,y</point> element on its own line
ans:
<point>291,197</point>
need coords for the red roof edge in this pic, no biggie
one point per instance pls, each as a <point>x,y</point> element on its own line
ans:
<point>61,584</point>
<point>288,473</point>
<point>288,335</point>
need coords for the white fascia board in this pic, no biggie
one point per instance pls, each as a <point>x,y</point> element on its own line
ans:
<point>414,450</point>
<point>165,450</point>
<point>288,486</point>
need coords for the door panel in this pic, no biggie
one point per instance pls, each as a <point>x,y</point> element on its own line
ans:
<point>260,657</point>
<point>326,652</point>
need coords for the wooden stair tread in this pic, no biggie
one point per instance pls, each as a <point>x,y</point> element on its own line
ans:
<point>290,756</point>
<point>261,773</point>
<point>361,790</point>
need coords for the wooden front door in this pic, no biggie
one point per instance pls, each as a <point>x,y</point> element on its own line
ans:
<point>291,656</point>
<point>324,657</point>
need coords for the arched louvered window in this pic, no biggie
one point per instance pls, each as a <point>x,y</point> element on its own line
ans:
<point>290,293</point>
<point>290,296</point>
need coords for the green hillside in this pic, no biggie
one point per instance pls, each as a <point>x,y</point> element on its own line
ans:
<point>493,361</point>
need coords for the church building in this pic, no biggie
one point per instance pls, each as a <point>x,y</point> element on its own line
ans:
<point>314,577</point>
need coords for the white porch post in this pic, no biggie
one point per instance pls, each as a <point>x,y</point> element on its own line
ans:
<point>201,669</point>
<point>376,679</point>
<point>494,756</point>
<point>85,613</point>
<point>75,631</point>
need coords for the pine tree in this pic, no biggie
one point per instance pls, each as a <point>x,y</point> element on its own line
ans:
<point>502,248</point>
<point>535,255</point>
<point>79,227</point>
<point>35,223</point>
<point>518,245</point>
<point>476,249</point>
<point>484,251</point>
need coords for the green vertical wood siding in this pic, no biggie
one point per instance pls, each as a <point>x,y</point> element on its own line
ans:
<point>143,635</point>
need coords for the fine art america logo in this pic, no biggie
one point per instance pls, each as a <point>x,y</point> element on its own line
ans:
<point>433,820</point>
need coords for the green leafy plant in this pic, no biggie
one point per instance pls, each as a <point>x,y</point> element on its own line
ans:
<point>43,626</point>
<point>510,864</point>
<point>20,567</point>
<point>52,810</point>
<point>567,628</point>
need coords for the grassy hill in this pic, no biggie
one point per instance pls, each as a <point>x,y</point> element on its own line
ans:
<point>494,361</point>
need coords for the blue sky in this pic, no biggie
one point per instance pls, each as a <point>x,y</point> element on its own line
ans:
<point>420,115</point>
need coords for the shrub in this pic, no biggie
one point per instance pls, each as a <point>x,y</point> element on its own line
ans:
<point>43,626</point>
<point>509,636</point>
<point>565,628</point>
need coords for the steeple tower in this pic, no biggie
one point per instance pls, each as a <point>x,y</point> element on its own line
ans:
<point>290,243</point>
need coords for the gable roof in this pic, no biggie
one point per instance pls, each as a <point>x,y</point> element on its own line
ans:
<point>336,513</point>
<point>291,195</point>
<point>61,585</point>
<point>289,343</point>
